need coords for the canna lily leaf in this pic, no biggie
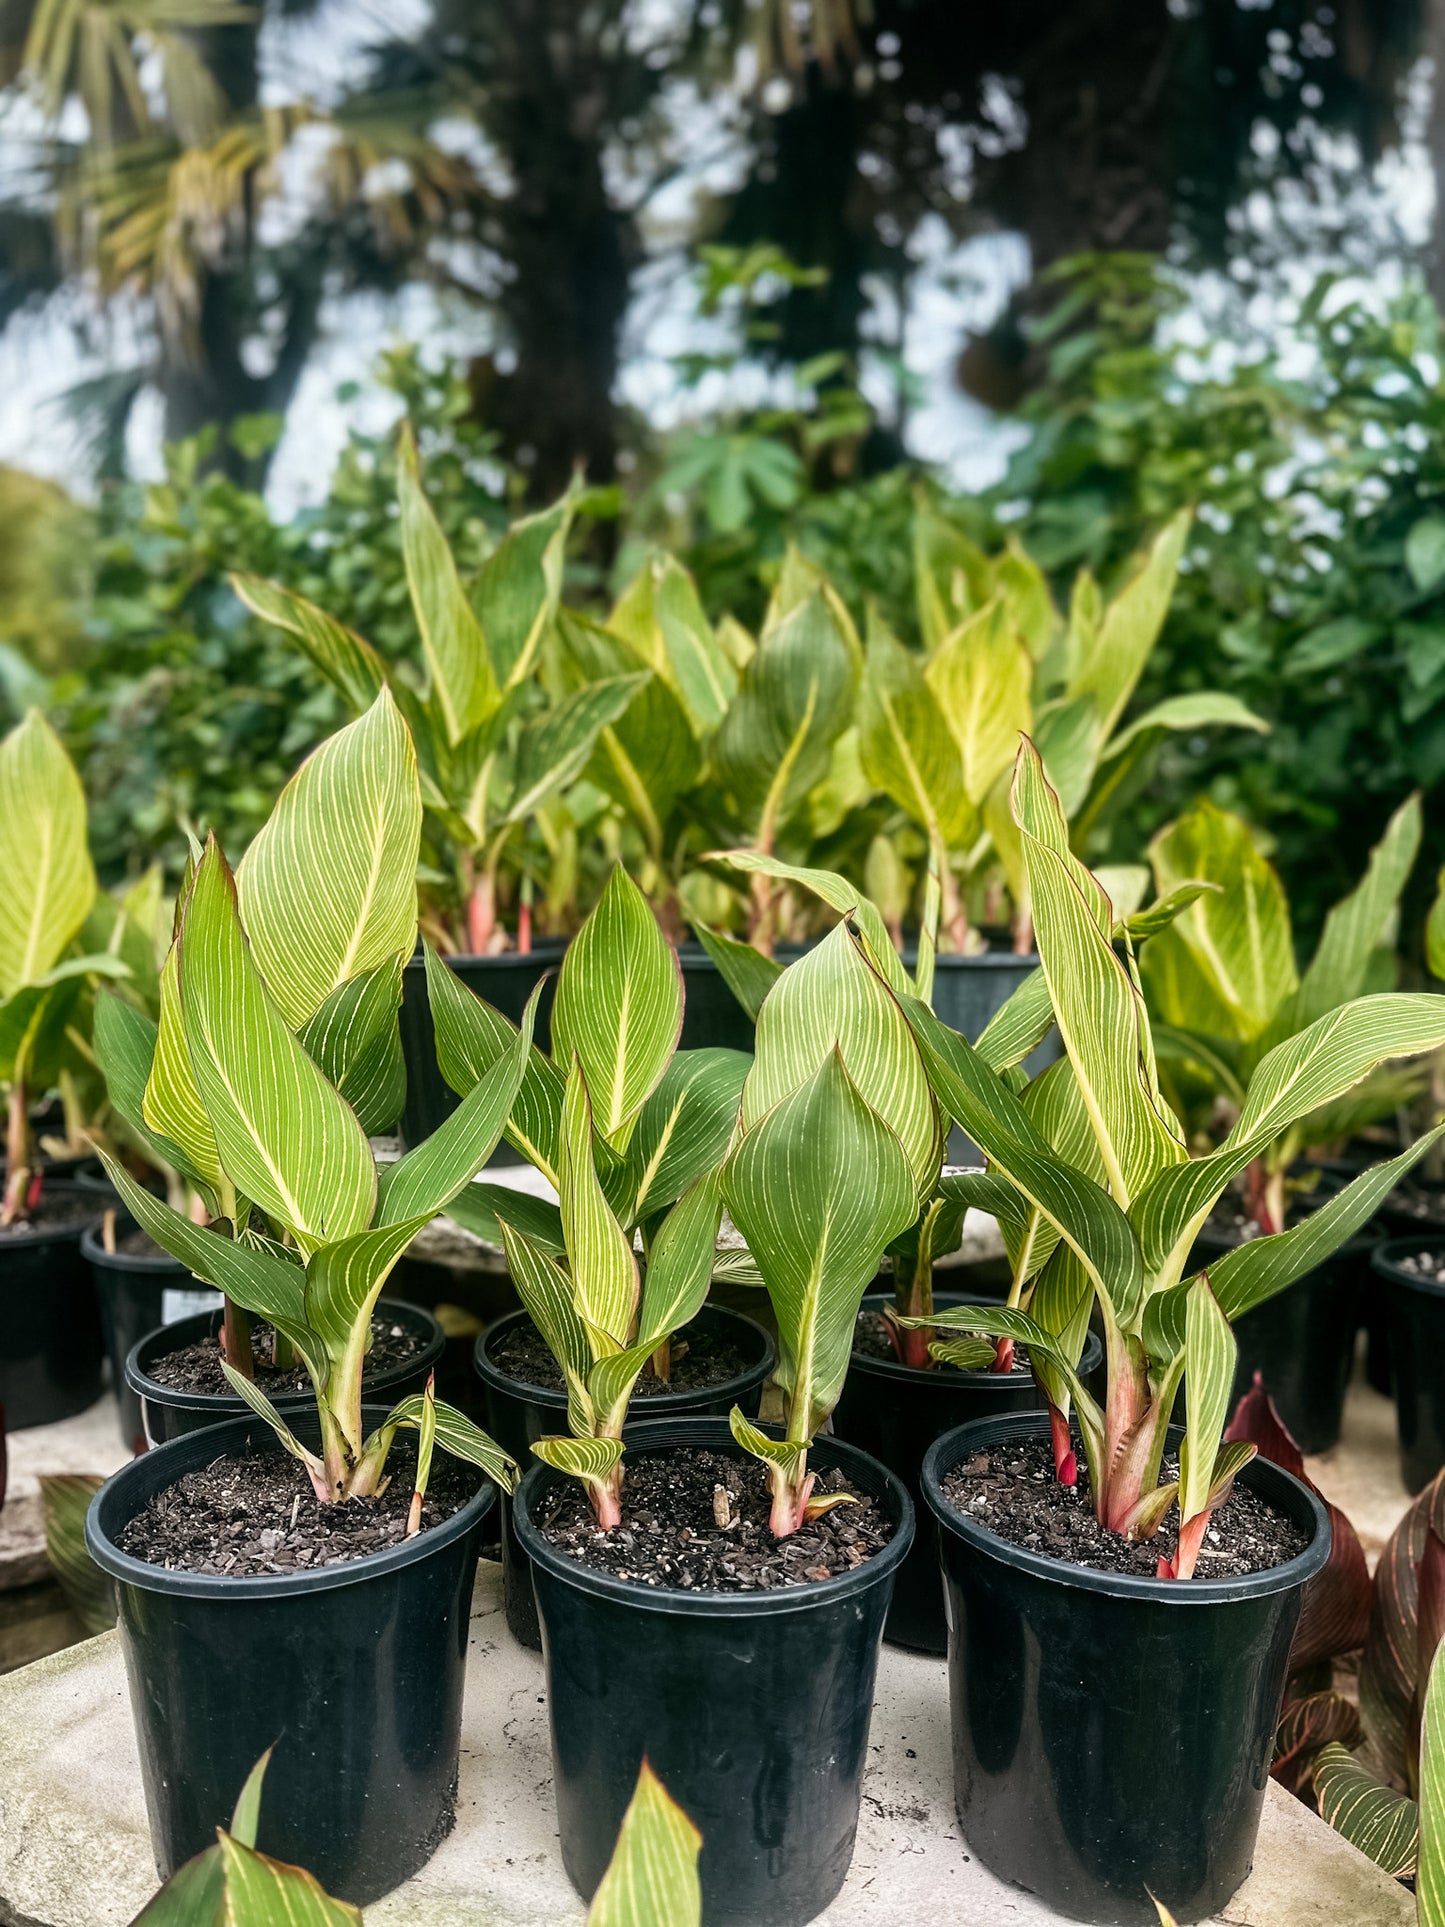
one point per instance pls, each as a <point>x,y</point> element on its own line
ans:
<point>660,617</point>
<point>251,1394</point>
<point>1210,1354</point>
<point>683,1130</point>
<point>471,1036</point>
<point>818,1186</point>
<point>481,1208</point>
<point>619,1006</point>
<point>1430,1867</point>
<point>347,662</point>
<point>605,1281</point>
<point>1305,1727</point>
<point>354,1039</point>
<point>171,1105</point>
<point>1003,1321</point>
<point>1389,1666</point>
<point>839,895</point>
<point>1198,709</point>
<point>748,974</point>
<point>591,1460</point>
<point>328,887</point>
<point>908,749</point>
<point>1382,1823</point>
<point>830,1001</point>
<point>651,1880</point>
<point>982,677</point>
<point>427,1179</point>
<point>546,1291</point>
<point>1109,666</point>
<point>343,1283</point>
<point>286,1138</point>
<point>44,854</point>
<point>552,750</point>
<point>786,1457</point>
<point>261,1892</point>
<point>1019,1025</point>
<point>680,1263</point>
<point>455,1433</point>
<point>519,587</point>
<point>463,681</point>
<point>66,1498</point>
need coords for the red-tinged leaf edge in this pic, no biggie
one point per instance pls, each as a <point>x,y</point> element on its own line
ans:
<point>1335,1615</point>
<point>1305,1726</point>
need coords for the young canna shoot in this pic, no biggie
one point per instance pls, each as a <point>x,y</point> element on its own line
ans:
<point>1105,1167</point>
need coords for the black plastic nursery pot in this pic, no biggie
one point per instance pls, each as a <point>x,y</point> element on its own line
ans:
<point>352,1672</point>
<point>1302,1341</point>
<point>1415,1307</point>
<point>137,1292</point>
<point>1112,1735</point>
<point>516,1414</point>
<point>894,1412</point>
<point>51,1343</point>
<point>169,1413</point>
<point>753,1708</point>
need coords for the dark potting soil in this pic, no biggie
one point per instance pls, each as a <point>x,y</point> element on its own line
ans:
<point>55,1213</point>
<point>871,1340</point>
<point>197,1368</point>
<point>140,1244</point>
<point>1423,1264</point>
<point>698,1521</point>
<point>699,1359</point>
<point>1013,1491</point>
<point>241,1516</point>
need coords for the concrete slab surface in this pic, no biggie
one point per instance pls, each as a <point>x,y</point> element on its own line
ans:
<point>74,1850</point>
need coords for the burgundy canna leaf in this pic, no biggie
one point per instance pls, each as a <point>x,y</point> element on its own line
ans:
<point>1389,1663</point>
<point>1305,1726</point>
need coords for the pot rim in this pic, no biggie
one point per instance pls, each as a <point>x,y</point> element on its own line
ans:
<point>194,1449</point>
<point>27,1235</point>
<point>895,1373</point>
<point>163,1266</point>
<point>947,1451</point>
<point>1384,1260</point>
<point>227,1404</point>
<point>493,1376</point>
<point>714,1434</point>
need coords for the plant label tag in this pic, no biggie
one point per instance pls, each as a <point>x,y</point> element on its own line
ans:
<point>177,1303</point>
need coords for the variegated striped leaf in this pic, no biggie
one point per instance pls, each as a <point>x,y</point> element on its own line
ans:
<point>347,662</point>
<point>1357,926</point>
<point>250,1393</point>
<point>1210,1354</point>
<point>172,1105</point>
<point>546,1292</point>
<point>286,1139</point>
<point>605,1282</point>
<point>680,1261</point>
<point>840,895</point>
<point>553,749</point>
<point>519,587</point>
<point>355,1040</point>
<point>1430,1868</point>
<point>909,752</point>
<point>982,676</point>
<point>455,1433</point>
<point>591,1460</point>
<point>1019,1025</point>
<point>49,880</point>
<point>481,1207</point>
<point>619,1006</point>
<point>471,1036</point>
<point>1110,666</point>
<point>609,1387</point>
<point>682,1130</point>
<point>660,616</point>
<point>748,974</point>
<point>1003,1321</point>
<point>125,1048</point>
<point>343,1283</point>
<point>1382,1823</point>
<point>328,887</point>
<point>463,681</point>
<point>651,1880</point>
<point>428,1178</point>
<point>818,1185</point>
<point>261,1892</point>
<point>830,1001</point>
<point>784,1457</point>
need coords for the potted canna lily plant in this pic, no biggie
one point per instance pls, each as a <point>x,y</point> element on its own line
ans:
<point>728,1581</point>
<point>630,1132</point>
<point>1223,991</point>
<point>1174,1559</point>
<point>343,835</point>
<point>326,1556</point>
<point>51,1345</point>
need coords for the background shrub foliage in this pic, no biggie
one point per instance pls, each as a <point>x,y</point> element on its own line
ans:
<point>1312,586</point>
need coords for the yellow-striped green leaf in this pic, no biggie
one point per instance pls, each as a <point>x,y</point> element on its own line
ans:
<point>840,895</point>
<point>818,1185</point>
<point>785,1457</point>
<point>1382,1823</point>
<point>463,681</point>
<point>1111,665</point>
<point>828,1002</point>
<point>471,1036</point>
<point>982,676</point>
<point>748,974</point>
<point>355,1040</point>
<point>908,749</point>
<point>250,1394</point>
<point>651,1880</point>
<point>352,665</point>
<point>1430,1870</point>
<point>591,1460</point>
<point>481,1207</point>
<point>519,587</point>
<point>1210,1353</point>
<point>125,1048</point>
<point>1019,1025</point>
<point>794,701</point>
<point>172,1105</point>
<point>343,1283</point>
<point>553,748</point>
<point>680,1261</point>
<point>286,1139</point>
<point>328,887</point>
<point>619,1006</point>
<point>49,880</point>
<point>427,1179</point>
<point>605,1281</point>
<point>683,1130</point>
<point>661,617</point>
<point>546,1292</point>
<point>952,576</point>
<point>66,1498</point>
<point>261,1892</point>
<point>455,1433</point>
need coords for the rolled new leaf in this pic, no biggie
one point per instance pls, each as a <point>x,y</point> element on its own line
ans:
<point>652,1879</point>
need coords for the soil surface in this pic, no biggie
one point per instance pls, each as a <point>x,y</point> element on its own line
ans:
<point>672,1532</point>
<point>871,1340</point>
<point>197,1368</point>
<point>239,1517</point>
<point>56,1212</point>
<point>136,1243</point>
<point>1423,1264</point>
<point>1013,1491</point>
<point>699,1359</point>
